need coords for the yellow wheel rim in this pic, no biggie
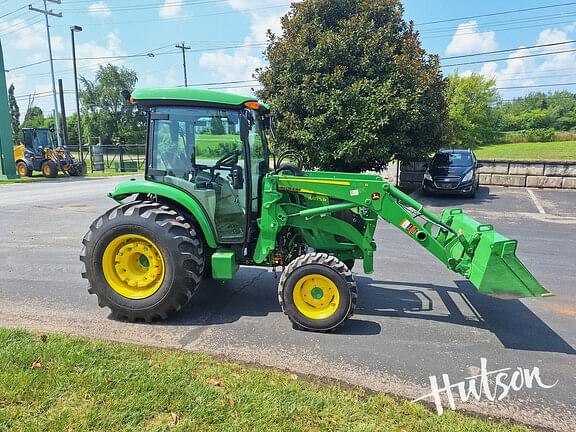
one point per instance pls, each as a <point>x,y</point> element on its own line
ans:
<point>316,296</point>
<point>133,266</point>
<point>22,170</point>
<point>46,170</point>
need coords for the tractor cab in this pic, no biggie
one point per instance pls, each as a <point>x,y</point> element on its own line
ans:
<point>38,139</point>
<point>214,149</point>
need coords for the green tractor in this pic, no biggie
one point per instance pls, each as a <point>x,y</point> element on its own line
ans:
<point>212,200</point>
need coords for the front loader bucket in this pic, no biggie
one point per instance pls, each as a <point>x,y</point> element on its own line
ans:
<point>494,268</point>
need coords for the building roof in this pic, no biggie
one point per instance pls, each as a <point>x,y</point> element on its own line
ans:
<point>189,94</point>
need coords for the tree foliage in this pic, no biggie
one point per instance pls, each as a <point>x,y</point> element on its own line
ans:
<point>106,113</point>
<point>216,126</point>
<point>14,114</point>
<point>539,111</point>
<point>471,107</point>
<point>34,118</point>
<point>351,87</point>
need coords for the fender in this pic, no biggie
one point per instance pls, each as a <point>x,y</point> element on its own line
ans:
<point>133,187</point>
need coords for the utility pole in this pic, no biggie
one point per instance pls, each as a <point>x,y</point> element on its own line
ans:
<point>47,12</point>
<point>183,47</point>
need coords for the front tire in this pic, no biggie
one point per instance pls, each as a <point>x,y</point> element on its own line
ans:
<point>142,260</point>
<point>49,169</point>
<point>317,292</point>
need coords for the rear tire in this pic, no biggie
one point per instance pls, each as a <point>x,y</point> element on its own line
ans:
<point>49,169</point>
<point>175,268</point>
<point>23,169</point>
<point>317,292</point>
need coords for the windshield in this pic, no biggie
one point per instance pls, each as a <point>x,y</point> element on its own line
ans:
<point>452,159</point>
<point>39,138</point>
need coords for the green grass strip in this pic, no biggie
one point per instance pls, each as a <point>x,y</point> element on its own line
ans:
<point>61,383</point>
<point>561,150</point>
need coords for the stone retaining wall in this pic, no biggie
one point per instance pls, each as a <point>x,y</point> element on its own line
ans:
<point>535,174</point>
<point>500,172</point>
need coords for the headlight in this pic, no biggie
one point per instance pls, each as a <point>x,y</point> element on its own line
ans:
<point>468,176</point>
<point>427,176</point>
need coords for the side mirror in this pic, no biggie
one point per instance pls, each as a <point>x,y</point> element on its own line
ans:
<point>237,177</point>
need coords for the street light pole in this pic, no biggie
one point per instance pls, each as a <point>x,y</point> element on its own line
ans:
<point>76,29</point>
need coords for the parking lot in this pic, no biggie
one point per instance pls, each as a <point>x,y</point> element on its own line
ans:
<point>414,317</point>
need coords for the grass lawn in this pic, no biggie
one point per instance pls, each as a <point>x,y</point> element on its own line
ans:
<point>559,150</point>
<point>60,383</point>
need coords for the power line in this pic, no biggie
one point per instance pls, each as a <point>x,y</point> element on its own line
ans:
<point>13,12</point>
<point>474,24</point>
<point>498,13</point>
<point>150,54</point>
<point>536,86</point>
<point>510,58</point>
<point>144,6</point>
<point>509,50</point>
<point>23,25</point>
<point>187,18</point>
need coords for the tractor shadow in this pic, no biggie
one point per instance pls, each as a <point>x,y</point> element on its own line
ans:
<point>254,294</point>
<point>512,322</point>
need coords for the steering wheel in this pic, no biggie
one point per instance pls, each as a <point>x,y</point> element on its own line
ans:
<point>227,160</point>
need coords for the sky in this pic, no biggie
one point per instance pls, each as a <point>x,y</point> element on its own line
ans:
<point>227,39</point>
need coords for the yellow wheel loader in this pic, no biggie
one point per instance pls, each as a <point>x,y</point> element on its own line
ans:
<point>39,152</point>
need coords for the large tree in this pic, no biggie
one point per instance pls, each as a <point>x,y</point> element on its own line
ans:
<point>14,114</point>
<point>472,109</point>
<point>106,113</point>
<point>34,118</point>
<point>350,86</point>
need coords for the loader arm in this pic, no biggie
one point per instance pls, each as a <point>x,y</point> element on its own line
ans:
<point>310,203</point>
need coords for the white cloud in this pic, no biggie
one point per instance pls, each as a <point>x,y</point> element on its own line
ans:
<point>468,40</point>
<point>549,36</point>
<point>261,25</point>
<point>244,4</point>
<point>171,9</point>
<point>92,49</point>
<point>99,8</point>
<point>28,37</point>
<point>236,66</point>
<point>17,78</point>
<point>530,71</point>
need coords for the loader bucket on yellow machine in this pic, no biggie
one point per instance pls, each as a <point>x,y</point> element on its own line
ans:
<point>494,269</point>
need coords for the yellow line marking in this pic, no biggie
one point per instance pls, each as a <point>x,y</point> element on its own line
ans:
<point>331,182</point>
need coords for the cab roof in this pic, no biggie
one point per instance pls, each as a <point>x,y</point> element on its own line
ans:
<point>181,95</point>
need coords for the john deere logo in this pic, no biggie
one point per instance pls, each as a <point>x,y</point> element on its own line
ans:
<point>376,196</point>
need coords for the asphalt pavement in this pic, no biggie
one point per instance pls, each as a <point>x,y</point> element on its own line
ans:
<point>414,318</point>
